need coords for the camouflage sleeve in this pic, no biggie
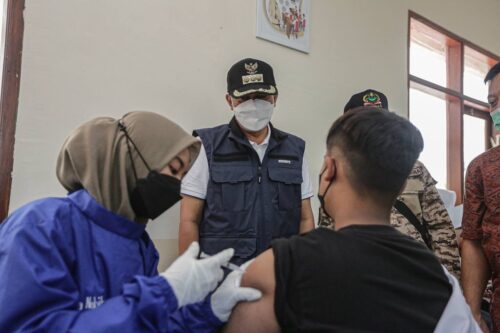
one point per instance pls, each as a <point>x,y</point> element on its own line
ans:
<point>444,239</point>
<point>324,220</point>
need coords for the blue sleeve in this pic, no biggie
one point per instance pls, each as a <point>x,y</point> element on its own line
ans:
<point>194,318</point>
<point>39,294</point>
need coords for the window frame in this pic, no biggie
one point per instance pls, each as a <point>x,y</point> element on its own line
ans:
<point>9,96</point>
<point>455,62</point>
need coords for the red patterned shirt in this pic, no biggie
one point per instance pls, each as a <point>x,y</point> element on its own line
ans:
<point>481,219</point>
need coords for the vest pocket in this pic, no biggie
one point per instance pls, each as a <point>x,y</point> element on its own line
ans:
<point>288,181</point>
<point>232,183</point>
<point>244,248</point>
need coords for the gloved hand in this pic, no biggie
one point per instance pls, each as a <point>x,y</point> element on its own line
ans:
<point>225,298</point>
<point>192,279</point>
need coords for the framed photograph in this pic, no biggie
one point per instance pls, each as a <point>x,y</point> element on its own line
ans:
<point>285,22</point>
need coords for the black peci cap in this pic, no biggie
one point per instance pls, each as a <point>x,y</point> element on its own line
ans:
<point>368,97</point>
<point>249,76</point>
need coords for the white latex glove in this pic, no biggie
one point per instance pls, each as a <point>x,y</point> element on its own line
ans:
<point>225,298</point>
<point>192,279</point>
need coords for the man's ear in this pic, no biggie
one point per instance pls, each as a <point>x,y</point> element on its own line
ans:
<point>229,102</point>
<point>275,99</point>
<point>330,168</point>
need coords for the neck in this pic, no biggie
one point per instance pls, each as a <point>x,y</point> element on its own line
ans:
<point>361,213</point>
<point>257,137</point>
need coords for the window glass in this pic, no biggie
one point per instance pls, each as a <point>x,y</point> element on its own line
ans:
<point>476,66</point>
<point>474,138</point>
<point>427,53</point>
<point>427,64</point>
<point>428,114</point>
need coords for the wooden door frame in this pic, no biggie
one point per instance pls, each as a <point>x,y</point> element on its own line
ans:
<point>9,96</point>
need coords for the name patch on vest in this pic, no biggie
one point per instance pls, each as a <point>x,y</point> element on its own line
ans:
<point>285,161</point>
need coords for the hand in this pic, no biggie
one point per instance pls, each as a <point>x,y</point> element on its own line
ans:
<point>192,279</point>
<point>225,298</point>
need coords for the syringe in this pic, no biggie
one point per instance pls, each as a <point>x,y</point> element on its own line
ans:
<point>229,265</point>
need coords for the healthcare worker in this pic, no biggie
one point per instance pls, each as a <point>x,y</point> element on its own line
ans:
<point>84,263</point>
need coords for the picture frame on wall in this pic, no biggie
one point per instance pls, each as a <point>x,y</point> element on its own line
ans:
<point>285,22</point>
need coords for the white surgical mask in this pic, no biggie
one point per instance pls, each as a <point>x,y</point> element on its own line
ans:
<point>254,114</point>
<point>495,115</point>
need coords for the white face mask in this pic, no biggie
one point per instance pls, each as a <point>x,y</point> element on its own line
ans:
<point>254,114</point>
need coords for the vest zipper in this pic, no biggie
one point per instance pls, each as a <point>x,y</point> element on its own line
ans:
<point>259,174</point>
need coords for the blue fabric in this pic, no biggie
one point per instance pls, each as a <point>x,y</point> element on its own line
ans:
<point>70,265</point>
<point>249,203</point>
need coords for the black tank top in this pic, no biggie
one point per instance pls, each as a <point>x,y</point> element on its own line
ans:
<point>364,278</point>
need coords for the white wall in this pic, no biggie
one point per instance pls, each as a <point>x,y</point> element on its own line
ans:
<point>83,59</point>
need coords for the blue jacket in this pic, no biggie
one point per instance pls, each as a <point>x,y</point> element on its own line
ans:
<point>249,203</point>
<point>70,265</point>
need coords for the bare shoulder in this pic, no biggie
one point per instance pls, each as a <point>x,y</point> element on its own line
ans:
<point>257,316</point>
<point>260,274</point>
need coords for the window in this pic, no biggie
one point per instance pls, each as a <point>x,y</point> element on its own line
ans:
<point>10,71</point>
<point>448,100</point>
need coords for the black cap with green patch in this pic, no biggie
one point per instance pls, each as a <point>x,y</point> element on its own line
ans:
<point>368,97</point>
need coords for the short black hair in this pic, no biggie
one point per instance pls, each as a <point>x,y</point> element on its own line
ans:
<point>492,73</point>
<point>380,148</point>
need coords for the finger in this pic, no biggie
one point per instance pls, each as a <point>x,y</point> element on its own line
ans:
<point>221,258</point>
<point>248,294</point>
<point>193,250</point>
<point>233,279</point>
<point>220,275</point>
<point>212,285</point>
<point>245,265</point>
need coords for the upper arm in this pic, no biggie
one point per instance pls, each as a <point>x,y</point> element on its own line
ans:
<point>433,208</point>
<point>474,206</point>
<point>195,182</point>
<point>306,216</point>
<point>257,316</point>
<point>191,209</point>
<point>194,189</point>
<point>306,186</point>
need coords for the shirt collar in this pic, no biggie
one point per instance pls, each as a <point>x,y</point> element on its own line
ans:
<point>266,140</point>
<point>105,218</point>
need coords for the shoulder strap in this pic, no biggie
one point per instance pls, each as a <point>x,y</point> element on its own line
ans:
<point>408,214</point>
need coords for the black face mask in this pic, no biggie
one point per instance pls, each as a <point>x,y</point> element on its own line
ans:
<point>156,193</point>
<point>321,197</point>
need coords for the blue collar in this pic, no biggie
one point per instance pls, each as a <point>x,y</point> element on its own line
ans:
<point>105,218</point>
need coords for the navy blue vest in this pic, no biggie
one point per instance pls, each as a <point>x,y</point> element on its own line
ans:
<point>249,203</point>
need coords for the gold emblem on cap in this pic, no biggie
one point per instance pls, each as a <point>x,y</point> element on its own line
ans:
<point>271,91</point>
<point>255,78</point>
<point>251,68</point>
